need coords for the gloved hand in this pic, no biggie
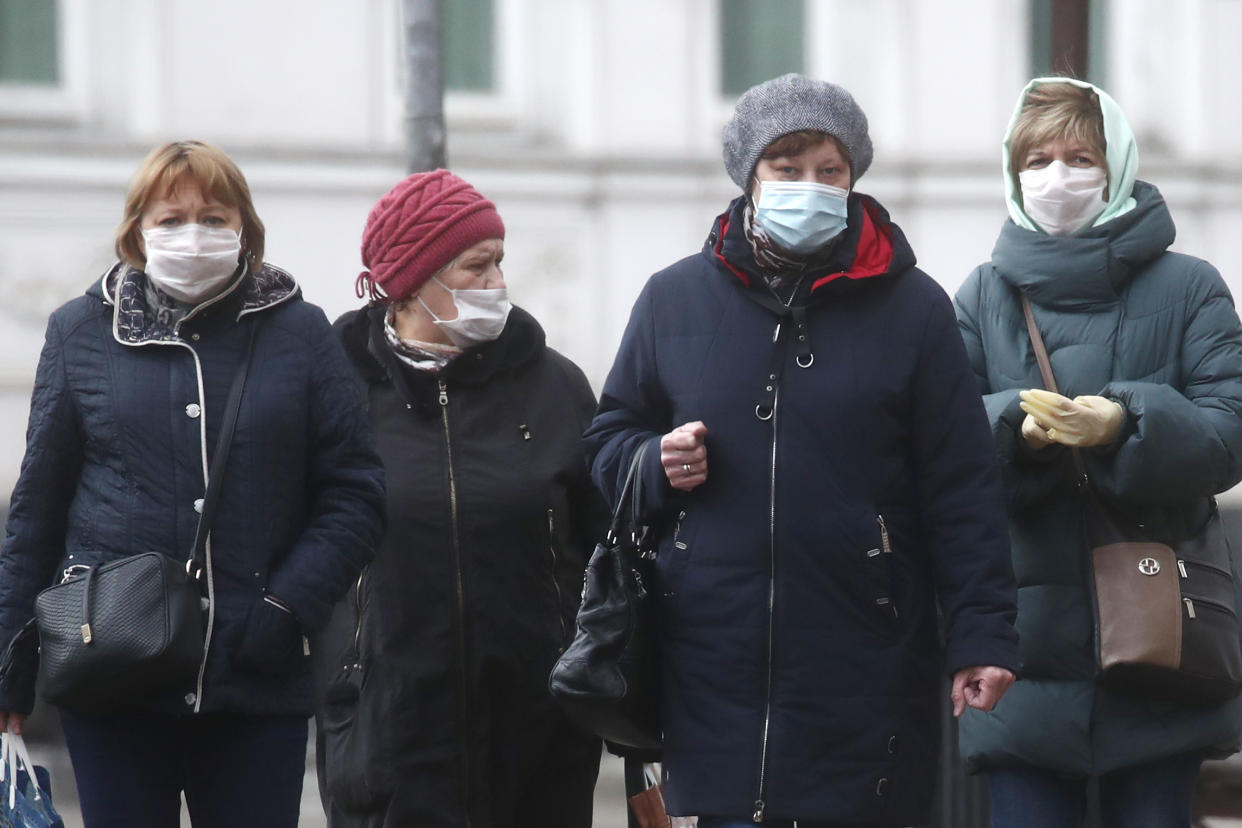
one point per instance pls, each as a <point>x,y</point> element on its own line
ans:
<point>1081,422</point>
<point>1034,435</point>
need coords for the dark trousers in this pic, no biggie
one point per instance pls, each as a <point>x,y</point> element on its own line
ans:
<point>1157,793</point>
<point>235,771</point>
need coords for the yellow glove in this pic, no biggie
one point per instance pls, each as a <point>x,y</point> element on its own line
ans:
<point>1081,422</point>
<point>1034,434</point>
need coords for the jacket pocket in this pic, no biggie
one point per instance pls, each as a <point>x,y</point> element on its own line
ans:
<point>673,556</point>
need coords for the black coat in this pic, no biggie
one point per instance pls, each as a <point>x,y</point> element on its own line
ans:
<point>437,707</point>
<point>800,657</point>
<point>122,424</point>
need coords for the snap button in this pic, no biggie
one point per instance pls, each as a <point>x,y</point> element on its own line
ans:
<point>190,698</point>
<point>193,410</point>
<point>892,744</point>
<point>198,505</point>
<point>195,337</point>
<point>881,786</point>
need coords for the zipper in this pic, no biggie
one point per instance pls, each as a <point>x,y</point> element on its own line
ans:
<point>556,585</point>
<point>767,704</point>
<point>358,624</point>
<point>462,678</point>
<point>1190,603</point>
<point>887,603</point>
<point>677,542</point>
<point>1213,568</point>
<point>760,805</point>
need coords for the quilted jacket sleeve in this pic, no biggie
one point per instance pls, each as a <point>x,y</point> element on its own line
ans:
<point>632,410</point>
<point>1184,442</point>
<point>962,502</point>
<point>35,534</point>
<point>345,488</point>
<point>1030,476</point>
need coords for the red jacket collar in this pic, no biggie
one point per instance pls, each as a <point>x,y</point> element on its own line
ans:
<point>873,256</point>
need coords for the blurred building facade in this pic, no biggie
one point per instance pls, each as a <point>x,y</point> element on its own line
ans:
<point>594,125</point>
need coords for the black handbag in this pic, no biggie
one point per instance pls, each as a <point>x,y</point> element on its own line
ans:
<point>1166,618</point>
<point>111,635</point>
<point>607,680</point>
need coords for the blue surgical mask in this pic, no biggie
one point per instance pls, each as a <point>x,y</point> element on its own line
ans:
<point>801,216</point>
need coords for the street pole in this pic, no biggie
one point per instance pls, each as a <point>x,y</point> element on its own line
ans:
<point>424,86</point>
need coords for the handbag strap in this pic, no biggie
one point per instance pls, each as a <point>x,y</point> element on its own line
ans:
<point>1045,371</point>
<point>215,478</point>
<point>631,492</point>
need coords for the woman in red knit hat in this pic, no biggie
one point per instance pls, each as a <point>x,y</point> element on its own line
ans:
<point>434,672</point>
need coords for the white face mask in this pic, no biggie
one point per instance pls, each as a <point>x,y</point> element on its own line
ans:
<point>1063,199</point>
<point>191,262</point>
<point>481,314</point>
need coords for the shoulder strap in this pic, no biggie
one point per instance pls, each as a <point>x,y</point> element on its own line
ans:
<point>1037,341</point>
<point>219,459</point>
<point>1045,371</point>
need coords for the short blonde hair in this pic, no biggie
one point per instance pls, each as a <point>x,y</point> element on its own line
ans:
<point>1053,111</point>
<point>207,167</point>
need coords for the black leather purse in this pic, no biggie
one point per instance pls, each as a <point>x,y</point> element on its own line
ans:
<point>607,680</point>
<point>111,635</point>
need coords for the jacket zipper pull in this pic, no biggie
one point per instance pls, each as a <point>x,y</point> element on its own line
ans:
<point>888,549</point>
<point>1190,607</point>
<point>1181,567</point>
<point>443,391</point>
<point>758,817</point>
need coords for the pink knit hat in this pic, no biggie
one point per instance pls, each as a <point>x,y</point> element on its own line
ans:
<point>418,227</point>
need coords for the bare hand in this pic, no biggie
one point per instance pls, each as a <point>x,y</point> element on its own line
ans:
<point>14,722</point>
<point>1081,422</point>
<point>684,456</point>
<point>980,687</point>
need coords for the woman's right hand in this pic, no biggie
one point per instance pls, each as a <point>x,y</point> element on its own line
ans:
<point>1034,434</point>
<point>14,722</point>
<point>683,454</point>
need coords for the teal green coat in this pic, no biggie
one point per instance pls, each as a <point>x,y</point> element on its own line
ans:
<point>1157,331</point>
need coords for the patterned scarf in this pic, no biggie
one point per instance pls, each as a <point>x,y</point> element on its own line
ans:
<point>781,269</point>
<point>419,355</point>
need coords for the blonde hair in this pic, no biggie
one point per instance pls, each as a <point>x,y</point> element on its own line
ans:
<point>201,164</point>
<point>1054,111</point>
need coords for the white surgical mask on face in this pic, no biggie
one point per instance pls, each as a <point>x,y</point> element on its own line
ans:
<point>801,216</point>
<point>1063,199</point>
<point>191,262</point>
<point>481,314</point>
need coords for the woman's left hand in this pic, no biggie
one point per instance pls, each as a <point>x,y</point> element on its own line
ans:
<point>1080,423</point>
<point>980,687</point>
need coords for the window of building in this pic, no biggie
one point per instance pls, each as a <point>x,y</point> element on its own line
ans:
<point>759,41</point>
<point>1067,38</point>
<point>29,42</point>
<point>469,45</point>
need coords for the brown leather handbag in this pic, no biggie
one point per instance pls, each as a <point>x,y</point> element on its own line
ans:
<point>1165,610</point>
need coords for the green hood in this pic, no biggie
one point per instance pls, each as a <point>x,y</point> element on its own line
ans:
<point>1120,151</point>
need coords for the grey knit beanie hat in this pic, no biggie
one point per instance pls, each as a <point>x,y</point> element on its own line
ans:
<point>792,103</point>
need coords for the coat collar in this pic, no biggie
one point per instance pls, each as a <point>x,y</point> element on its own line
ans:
<point>362,333</point>
<point>870,246</point>
<point>123,288</point>
<point>1091,268</point>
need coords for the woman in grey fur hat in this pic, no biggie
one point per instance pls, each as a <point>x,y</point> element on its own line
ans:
<point>824,478</point>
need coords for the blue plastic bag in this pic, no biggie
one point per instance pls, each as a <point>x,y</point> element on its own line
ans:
<point>24,802</point>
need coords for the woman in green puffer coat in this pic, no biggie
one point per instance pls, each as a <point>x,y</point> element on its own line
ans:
<point>1147,349</point>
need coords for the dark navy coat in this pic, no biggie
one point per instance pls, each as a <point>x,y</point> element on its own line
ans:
<point>123,423</point>
<point>1124,318</point>
<point>800,655</point>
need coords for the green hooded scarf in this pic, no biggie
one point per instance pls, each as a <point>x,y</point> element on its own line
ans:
<point>1120,152</point>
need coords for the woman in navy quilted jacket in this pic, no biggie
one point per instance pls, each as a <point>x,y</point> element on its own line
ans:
<point>1146,349</point>
<point>128,401</point>
<point>821,476</point>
